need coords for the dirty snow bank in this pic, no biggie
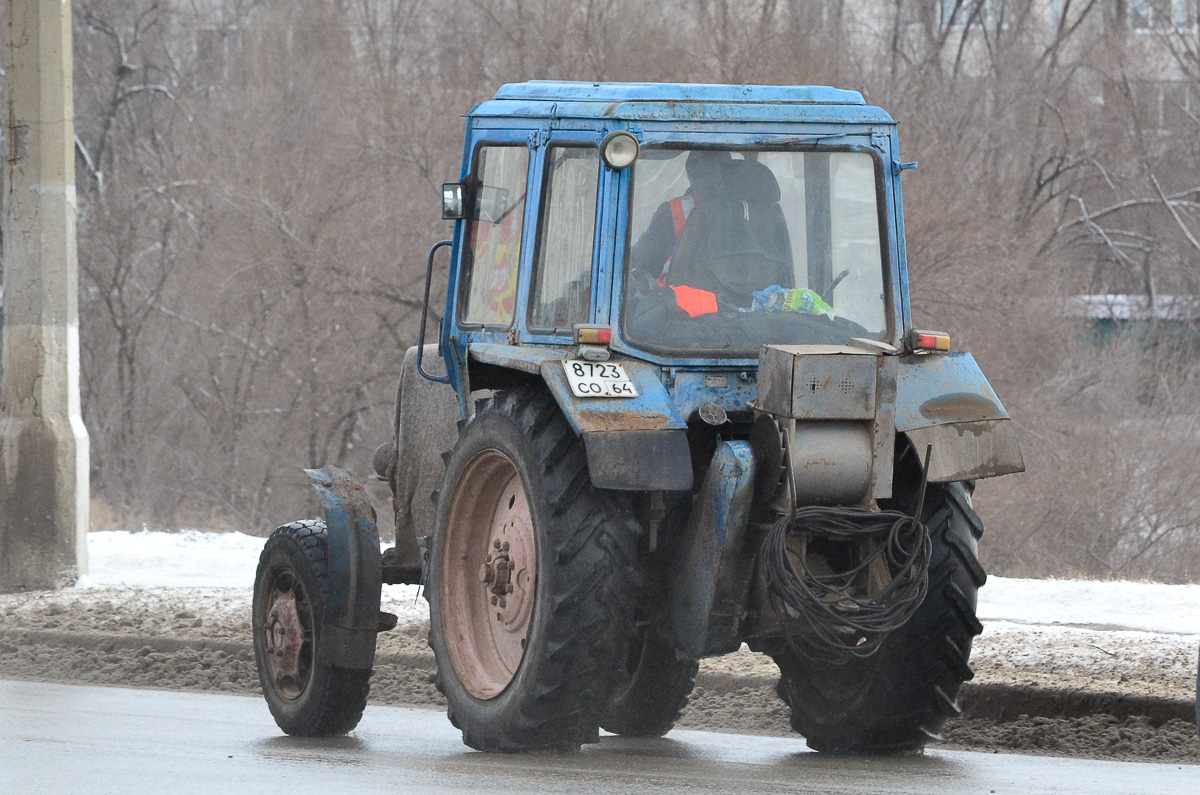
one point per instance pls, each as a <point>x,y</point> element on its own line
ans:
<point>195,559</point>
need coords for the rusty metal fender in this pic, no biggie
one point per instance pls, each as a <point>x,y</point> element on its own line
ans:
<point>351,618</point>
<point>944,400</point>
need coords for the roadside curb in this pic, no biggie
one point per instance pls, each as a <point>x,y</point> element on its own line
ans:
<point>1009,702</point>
<point>109,643</point>
<point>979,701</point>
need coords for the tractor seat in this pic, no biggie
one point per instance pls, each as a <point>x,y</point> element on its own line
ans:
<point>735,240</point>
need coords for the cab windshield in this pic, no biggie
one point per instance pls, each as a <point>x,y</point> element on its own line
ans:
<point>731,249</point>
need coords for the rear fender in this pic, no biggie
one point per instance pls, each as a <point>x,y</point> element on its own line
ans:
<point>944,400</point>
<point>633,444</point>
<point>355,570</point>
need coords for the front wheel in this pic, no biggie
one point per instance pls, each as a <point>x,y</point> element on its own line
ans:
<point>531,581</point>
<point>897,699</point>
<point>307,697</point>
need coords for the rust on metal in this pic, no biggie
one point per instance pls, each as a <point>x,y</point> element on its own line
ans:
<point>957,407</point>
<point>288,640</point>
<point>607,419</point>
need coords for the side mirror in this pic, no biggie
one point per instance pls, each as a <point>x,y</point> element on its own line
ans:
<point>453,207</point>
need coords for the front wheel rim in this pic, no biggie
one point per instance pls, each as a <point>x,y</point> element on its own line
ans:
<point>287,635</point>
<point>488,574</point>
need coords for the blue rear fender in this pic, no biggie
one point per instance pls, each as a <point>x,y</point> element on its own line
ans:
<point>944,400</point>
<point>632,444</point>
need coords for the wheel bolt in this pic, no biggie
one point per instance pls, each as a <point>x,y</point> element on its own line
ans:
<point>496,543</point>
<point>504,546</point>
<point>494,600</point>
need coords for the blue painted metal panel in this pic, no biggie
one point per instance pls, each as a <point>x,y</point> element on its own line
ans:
<point>526,358</point>
<point>938,389</point>
<point>683,111</point>
<point>712,575</point>
<point>694,388</point>
<point>608,255</point>
<point>679,102</point>
<point>577,91</point>
<point>355,569</point>
<point>900,247</point>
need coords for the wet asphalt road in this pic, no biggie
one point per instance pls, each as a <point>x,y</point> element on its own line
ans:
<point>65,738</point>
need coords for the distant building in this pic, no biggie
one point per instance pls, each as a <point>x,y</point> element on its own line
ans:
<point>1173,318</point>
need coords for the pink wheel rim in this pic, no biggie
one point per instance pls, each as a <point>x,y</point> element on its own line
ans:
<point>288,635</point>
<point>488,574</point>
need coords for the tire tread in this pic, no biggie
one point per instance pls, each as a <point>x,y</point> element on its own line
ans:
<point>910,688</point>
<point>592,543</point>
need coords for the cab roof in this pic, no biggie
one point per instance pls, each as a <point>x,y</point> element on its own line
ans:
<point>679,101</point>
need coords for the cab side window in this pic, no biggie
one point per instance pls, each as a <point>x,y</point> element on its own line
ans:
<point>493,251</point>
<point>562,276</point>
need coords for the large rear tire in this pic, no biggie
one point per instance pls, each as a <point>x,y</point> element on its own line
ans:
<point>898,699</point>
<point>654,689</point>
<point>531,581</point>
<point>306,697</point>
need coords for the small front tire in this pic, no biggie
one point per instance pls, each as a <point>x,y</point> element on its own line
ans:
<point>306,697</point>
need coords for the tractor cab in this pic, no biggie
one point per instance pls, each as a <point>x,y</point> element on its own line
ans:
<point>687,225</point>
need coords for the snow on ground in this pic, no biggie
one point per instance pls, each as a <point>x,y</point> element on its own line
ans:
<point>196,559</point>
<point>1097,604</point>
<point>192,558</point>
<point>187,559</point>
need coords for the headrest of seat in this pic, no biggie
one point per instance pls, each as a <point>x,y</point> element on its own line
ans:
<point>750,181</point>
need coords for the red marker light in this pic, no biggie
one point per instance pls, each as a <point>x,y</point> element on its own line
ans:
<point>592,335</point>
<point>930,340</point>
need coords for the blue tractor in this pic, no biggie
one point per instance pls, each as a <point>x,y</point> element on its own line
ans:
<point>676,406</point>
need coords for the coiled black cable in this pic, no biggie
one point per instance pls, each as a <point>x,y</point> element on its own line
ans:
<point>821,618</point>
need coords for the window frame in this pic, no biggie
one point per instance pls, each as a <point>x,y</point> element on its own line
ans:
<point>466,271</point>
<point>883,211</point>
<point>543,213</point>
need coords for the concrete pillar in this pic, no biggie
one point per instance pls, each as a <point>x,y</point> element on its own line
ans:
<point>43,443</point>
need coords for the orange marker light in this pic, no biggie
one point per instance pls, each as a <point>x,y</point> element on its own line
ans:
<point>930,340</point>
<point>593,335</point>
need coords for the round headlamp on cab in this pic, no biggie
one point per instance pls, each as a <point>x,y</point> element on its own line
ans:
<point>619,149</point>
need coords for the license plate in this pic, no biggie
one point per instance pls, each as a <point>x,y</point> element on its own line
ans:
<point>599,379</point>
